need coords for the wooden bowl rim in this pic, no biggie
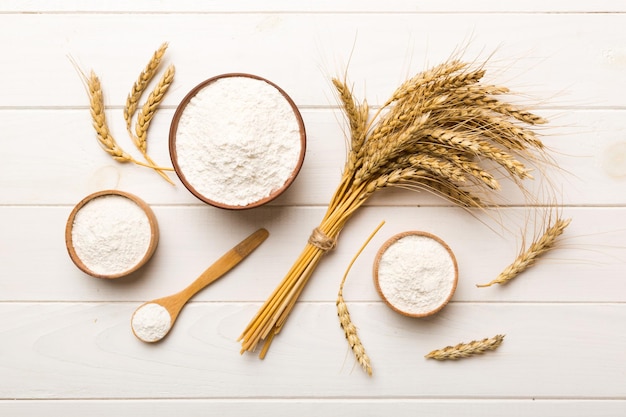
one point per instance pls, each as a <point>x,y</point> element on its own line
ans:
<point>154,235</point>
<point>174,128</point>
<point>393,240</point>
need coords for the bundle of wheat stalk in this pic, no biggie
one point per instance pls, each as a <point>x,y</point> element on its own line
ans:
<point>439,131</point>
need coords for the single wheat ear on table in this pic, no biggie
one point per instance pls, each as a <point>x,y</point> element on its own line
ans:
<point>349,329</point>
<point>466,350</point>
<point>103,134</point>
<point>529,257</point>
<point>443,131</point>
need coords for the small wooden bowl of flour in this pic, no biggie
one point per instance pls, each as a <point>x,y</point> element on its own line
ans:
<point>237,141</point>
<point>111,234</point>
<point>415,273</point>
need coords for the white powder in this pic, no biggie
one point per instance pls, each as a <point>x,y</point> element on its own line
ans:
<point>237,141</point>
<point>151,322</point>
<point>416,274</point>
<point>111,234</point>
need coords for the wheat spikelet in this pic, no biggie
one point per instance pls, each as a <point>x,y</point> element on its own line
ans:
<point>508,109</point>
<point>132,101</point>
<point>475,171</point>
<point>356,118</point>
<point>352,336</point>
<point>494,127</point>
<point>357,115</point>
<point>437,73</point>
<point>395,178</point>
<point>377,155</point>
<point>463,198</point>
<point>528,257</point>
<point>148,110</point>
<point>97,110</point>
<point>439,167</point>
<point>96,102</point>
<point>349,329</point>
<point>452,167</point>
<point>146,114</point>
<point>103,134</point>
<point>465,350</point>
<point>480,148</point>
<point>434,90</point>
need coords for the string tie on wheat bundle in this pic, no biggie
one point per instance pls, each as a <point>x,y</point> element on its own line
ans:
<point>321,241</point>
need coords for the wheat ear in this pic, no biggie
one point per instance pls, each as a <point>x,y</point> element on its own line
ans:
<point>103,134</point>
<point>140,85</point>
<point>146,114</point>
<point>347,325</point>
<point>527,258</point>
<point>465,350</point>
<point>149,108</point>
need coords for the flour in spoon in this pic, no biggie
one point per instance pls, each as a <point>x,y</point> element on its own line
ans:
<point>151,322</point>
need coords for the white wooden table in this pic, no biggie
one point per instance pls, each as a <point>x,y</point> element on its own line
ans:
<point>66,348</point>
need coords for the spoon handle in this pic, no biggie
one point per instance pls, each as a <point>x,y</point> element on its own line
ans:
<point>226,262</point>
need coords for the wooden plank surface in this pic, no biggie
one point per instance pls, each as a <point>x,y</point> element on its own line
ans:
<point>86,350</point>
<point>588,267</point>
<point>399,407</point>
<point>67,348</point>
<point>526,52</point>
<point>587,145</point>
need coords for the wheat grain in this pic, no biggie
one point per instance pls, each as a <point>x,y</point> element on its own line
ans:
<point>528,257</point>
<point>466,350</point>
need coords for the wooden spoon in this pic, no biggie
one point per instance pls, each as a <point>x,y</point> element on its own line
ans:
<point>153,320</point>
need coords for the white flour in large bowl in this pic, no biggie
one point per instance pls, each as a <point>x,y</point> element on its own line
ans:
<point>238,140</point>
